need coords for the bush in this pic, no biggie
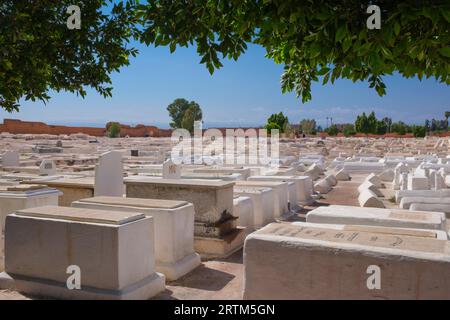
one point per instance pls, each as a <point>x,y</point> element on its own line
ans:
<point>113,130</point>
<point>349,130</point>
<point>332,130</point>
<point>419,131</point>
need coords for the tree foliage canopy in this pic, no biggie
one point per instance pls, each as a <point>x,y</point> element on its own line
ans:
<point>181,109</point>
<point>280,119</point>
<point>312,38</point>
<point>38,52</point>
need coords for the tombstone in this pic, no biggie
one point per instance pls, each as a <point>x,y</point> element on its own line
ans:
<point>47,167</point>
<point>404,181</point>
<point>59,144</point>
<point>13,198</point>
<point>215,231</point>
<point>280,194</point>
<point>174,229</point>
<point>341,175</point>
<point>322,186</point>
<point>134,153</point>
<point>109,175</point>
<point>312,256</point>
<point>113,250</point>
<point>10,159</point>
<point>262,198</point>
<point>418,183</point>
<point>243,209</point>
<point>396,218</point>
<point>387,175</point>
<point>399,169</point>
<point>369,185</point>
<point>368,199</point>
<point>171,170</point>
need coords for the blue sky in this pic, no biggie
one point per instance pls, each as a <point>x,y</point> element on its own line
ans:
<point>242,93</point>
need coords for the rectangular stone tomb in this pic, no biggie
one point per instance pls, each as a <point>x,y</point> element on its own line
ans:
<point>280,194</point>
<point>300,194</point>
<point>377,217</point>
<point>72,189</point>
<point>325,263</point>
<point>174,229</point>
<point>110,252</point>
<point>13,198</point>
<point>215,231</point>
<point>262,199</point>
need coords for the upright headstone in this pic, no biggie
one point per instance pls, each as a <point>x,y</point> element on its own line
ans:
<point>10,159</point>
<point>404,181</point>
<point>171,170</point>
<point>109,175</point>
<point>47,167</point>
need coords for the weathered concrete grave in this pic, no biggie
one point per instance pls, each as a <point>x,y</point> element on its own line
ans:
<point>325,263</point>
<point>13,198</point>
<point>299,194</point>
<point>47,167</point>
<point>215,228</point>
<point>174,229</point>
<point>280,194</point>
<point>263,200</point>
<point>10,159</point>
<point>377,217</point>
<point>113,250</point>
<point>71,189</point>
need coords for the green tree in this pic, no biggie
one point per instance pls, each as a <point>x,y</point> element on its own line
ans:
<point>381,127</point>
<point>419,131</point>
<point>280,119</point>
<point>362,124</point>
<point>327,40</point>
<point>399,128</point>
<point>332,130</point>
<point>113,129</point>
<point>189,119</point>
<point>271,126</point>
<point>39,53</point>
<point>178,108</point>
<point>372,123</point>
<point>349,130</point>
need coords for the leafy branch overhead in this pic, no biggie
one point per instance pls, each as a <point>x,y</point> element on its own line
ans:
<point>38,52</point>
<point>313,39</point>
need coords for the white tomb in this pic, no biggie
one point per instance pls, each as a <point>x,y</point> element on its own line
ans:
<point>13,198</point>
<point>113,250</point>
<point>263,201</point>
<point>325,263</point>
<point>10,159</point>
<point>377,217</point>
<point>174,229</point>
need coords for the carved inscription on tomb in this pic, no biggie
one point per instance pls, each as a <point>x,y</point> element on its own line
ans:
<point>393,241</point>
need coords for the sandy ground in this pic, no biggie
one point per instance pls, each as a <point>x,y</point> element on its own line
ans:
<point>223,279</point>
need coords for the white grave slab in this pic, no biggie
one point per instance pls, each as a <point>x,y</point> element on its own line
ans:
<point>114,251</point>
<point>377,217</point>
<point>325,263</point>
<point>174,229</point>
<point>10,159</point>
